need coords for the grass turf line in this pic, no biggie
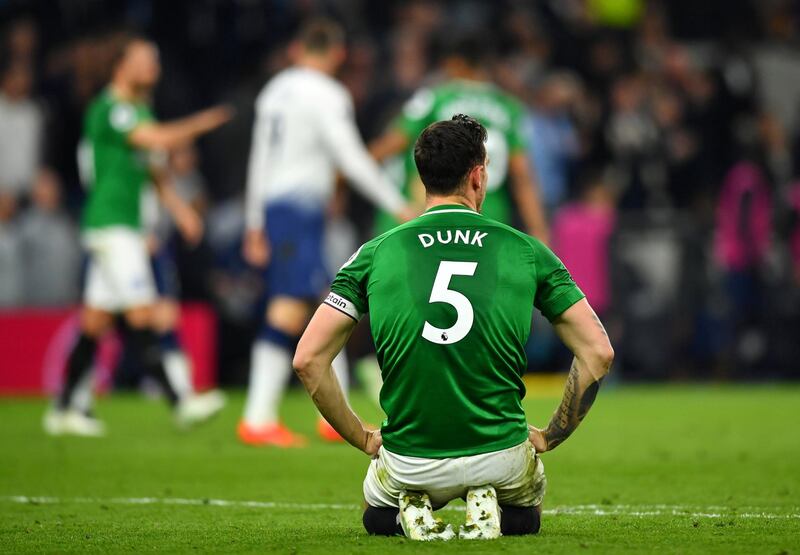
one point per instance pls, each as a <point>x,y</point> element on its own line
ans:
<point>733,449</point>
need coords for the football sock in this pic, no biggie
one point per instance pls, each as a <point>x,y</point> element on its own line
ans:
<point>169,341</point>
<point>78,365</point>
<point>145,346</point>
<point>270,369</point>
<point>518,521</point>
<point>382,521</point>
<point>178,369</point>
<point>83,395</point>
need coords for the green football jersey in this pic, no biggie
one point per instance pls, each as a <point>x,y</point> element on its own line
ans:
<point>498,111</point>
<point>114,171</point>
<point>450,297</point>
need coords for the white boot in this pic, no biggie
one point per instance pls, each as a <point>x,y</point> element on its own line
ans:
<point>416,518</point>
<point>72,422</point>
<point>198,407</point>
<point>483,515</point>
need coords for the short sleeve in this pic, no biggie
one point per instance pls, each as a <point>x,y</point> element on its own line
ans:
<point>556,291</point>
<point>417,113</point>
<point>349,289</point>
<point>124,117</point>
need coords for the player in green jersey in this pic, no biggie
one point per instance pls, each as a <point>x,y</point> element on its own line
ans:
<point>116,155</point>
<point>450,296</point>
<point>468,89</point>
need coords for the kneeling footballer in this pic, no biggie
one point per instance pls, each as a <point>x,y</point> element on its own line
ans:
<point>450,296</point>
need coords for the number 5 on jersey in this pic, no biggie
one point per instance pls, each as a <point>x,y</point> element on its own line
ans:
<point>442,294</point>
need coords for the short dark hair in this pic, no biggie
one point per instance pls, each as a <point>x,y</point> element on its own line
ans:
<point>446,151</point>
<point>475,50</point>
<point>120,42</point>
<point>320,34</point>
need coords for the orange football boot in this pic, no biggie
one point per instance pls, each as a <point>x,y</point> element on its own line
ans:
<point>276,435</point>
<point>327,433</point>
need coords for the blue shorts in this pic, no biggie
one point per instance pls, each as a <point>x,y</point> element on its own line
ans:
<point>165,273</point>
<point>296,268</point>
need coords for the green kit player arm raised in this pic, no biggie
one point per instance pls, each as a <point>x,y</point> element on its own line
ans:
<point>153,135</point>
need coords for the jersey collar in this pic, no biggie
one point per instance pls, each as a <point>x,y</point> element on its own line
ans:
<point>449,208</point>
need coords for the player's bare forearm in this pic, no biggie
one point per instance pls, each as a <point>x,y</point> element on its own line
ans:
<point>583,333</point>
<point>185,217</point>
<point>175,133</point>
<point>325,335</point>
<point>327,394</point>
<point>387,145</point>
<point>526,195</point>
<point>579,395</point>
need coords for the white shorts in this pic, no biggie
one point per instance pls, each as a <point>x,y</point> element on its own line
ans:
<point>119,275</point>
<point>516,473</point>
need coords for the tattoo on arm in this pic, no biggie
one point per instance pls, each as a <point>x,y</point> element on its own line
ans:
<point>576,403</point>
<point>599,323</point>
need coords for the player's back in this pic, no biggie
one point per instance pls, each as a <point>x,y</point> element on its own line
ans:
<point>498,111</point>
<point>450,297</point>
<point>291,113</point>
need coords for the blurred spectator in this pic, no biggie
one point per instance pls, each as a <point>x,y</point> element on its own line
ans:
<point>581,234</point>
<point>794,234</point>
<point>20,130</point>
<point>552,137</point>
<point>22,41</point>
<point>633,139</point>
<point>742,241</point>
<point>744,220</point>
<point>51,255</point>
<point>618,84</point>
<point>11,274</point>
<point>185,173</point>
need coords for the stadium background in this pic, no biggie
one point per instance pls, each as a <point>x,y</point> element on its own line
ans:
<point>676,121</point>
<point>665,136</point>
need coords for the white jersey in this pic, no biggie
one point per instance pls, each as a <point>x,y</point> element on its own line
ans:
<point>305,131</point>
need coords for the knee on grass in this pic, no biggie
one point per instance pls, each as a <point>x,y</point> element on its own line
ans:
<point>520,521</point>
<point>382,521</point>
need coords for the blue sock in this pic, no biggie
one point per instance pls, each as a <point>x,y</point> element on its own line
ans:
<point>169,341</point>
<point>277,337</point>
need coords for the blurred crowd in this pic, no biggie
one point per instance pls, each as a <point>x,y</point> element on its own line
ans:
<point>664,137</point>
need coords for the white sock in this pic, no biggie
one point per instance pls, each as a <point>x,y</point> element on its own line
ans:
<point>83,395</point>
<point>342,370</point>
<point>270,369</point>
<point>178,371</point>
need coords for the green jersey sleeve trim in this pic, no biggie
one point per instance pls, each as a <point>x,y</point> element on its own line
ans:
<point>556,291</point>
<point>557,306</point>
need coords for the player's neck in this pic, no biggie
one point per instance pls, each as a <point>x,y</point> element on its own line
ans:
<point>316,63</point>
<point>470,75</point>
<point>433,202</point>
<point>123,90</point>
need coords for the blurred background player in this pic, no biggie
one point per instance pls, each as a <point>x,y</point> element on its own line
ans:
<point>304,132</point>
<point>468,89</point>
<point>162,245</point>
<point>120,136</point>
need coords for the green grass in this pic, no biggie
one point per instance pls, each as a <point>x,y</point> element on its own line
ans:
<point>730,451</point>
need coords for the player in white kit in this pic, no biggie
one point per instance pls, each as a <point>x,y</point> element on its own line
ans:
<point>304,133</point>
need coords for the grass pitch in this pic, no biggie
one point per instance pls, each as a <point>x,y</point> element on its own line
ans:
<point>652,469</point>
